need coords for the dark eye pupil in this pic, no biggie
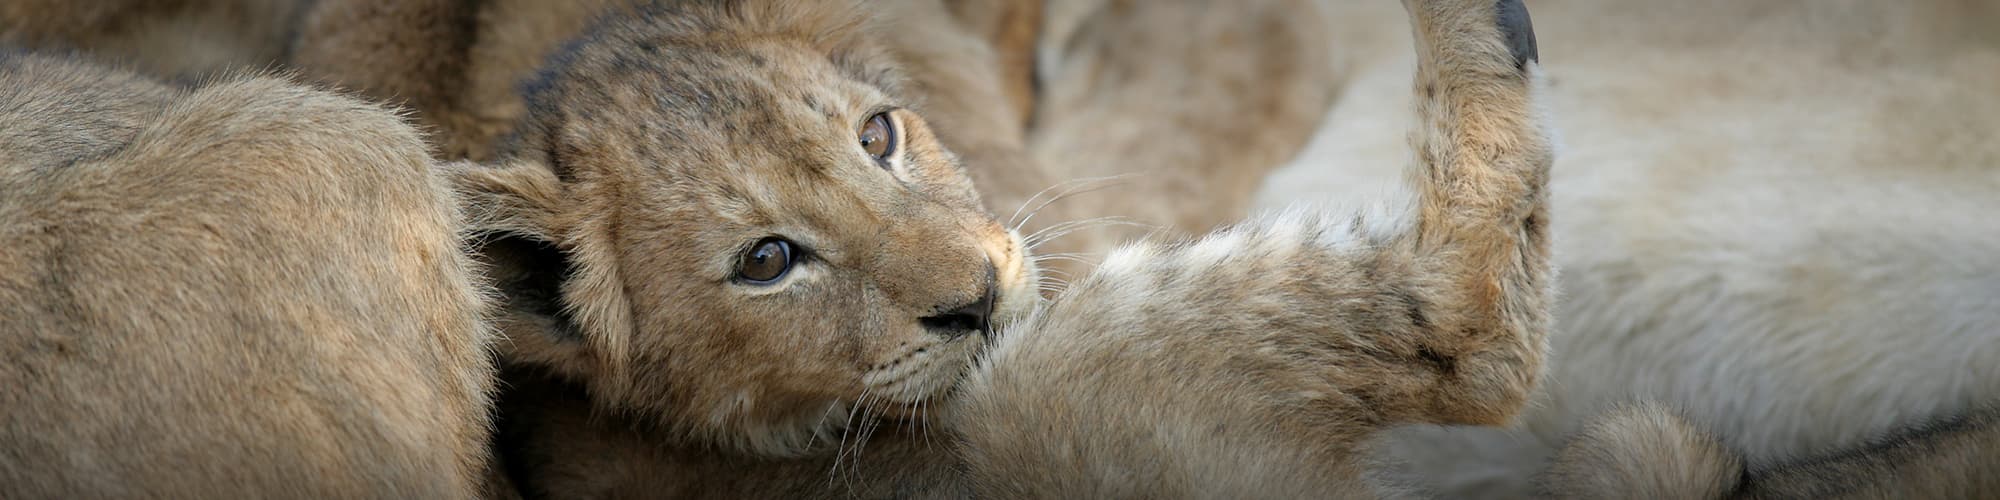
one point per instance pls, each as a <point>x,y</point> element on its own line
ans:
<point>767,261</point>
<point>878,137</point>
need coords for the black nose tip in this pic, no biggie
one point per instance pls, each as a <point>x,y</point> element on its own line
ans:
<point>964,319</point>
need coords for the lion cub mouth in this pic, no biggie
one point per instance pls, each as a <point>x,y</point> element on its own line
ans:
<point>973,317</point>
<point>922,371</point>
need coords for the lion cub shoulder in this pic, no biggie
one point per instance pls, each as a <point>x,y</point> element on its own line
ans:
<point>248,288</point>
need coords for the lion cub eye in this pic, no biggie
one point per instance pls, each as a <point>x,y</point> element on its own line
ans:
<point>878,138</point>
<point>766,261</point>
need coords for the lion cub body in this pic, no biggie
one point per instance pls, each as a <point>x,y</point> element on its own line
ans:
<point>178,39</point>
<point>615,223</point>
<point>242,289</point>
<point>1255,361</point>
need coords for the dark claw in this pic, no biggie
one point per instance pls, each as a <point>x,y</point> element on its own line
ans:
<point>1519,30</point>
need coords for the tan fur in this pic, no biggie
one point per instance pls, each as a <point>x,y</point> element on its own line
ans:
<point>615,234</point>
<point>1644,452</point>
<point>168,38</point>
<point>1774,218</point>
<point>242,289</point>
<point>942,71</point>
<point>1117,87</point>
<point>1187,104</point>
<point>1257,361</point>
<point>431,37</point>
<point>459,63</point>
<point>1253,362</point>
<point>1649,452</point>
<point>612,237</point>
<point>1012,29</point>
<point>557,447</point>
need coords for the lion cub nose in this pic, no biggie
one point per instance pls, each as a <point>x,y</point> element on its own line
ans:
<point>977,315</point>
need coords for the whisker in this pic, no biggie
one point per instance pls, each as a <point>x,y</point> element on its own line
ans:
<point>1068,258</point>
<point>840,450</point>
<point>1066,185</point>
<point>1054,275</point>
<point>1039,257</point>
<point>1030,239</point>
<point>1058,197</point>
<point>816,429</point>
<point>1038,195</point>
<point>1065,232</point>
<point>868,426</point>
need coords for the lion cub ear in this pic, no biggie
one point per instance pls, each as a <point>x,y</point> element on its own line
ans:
<point>513,225</point>
<point>516,198</point>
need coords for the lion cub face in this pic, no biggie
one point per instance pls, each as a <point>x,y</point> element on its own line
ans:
<point>733,225</point>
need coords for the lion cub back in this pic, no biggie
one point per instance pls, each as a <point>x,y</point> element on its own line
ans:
<point>243,289</point>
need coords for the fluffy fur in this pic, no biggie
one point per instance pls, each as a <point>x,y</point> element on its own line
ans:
<point>179,322</point>
<point>1650,452</point>
<point>615,235</point>
<point>1030,110</point>
<point>184,39</point>
<point>1774,220</point>
<point>1254,362</point>
<point>1183,105</point>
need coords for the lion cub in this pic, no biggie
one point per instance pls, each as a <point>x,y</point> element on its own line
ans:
<point>1253,362</point>
<point>724,225</point>
<point>246,289</point>
<point>759,240</point>
<point>1163,114</point>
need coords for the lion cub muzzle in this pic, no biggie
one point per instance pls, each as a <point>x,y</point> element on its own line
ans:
<point>976,316</point>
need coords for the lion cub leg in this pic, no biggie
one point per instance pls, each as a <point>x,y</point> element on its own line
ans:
<point>1256,361</point>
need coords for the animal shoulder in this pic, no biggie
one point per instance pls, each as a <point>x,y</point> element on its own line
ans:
<point>260,278</point>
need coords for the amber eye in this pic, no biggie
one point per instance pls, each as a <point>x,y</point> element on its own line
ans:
<point>766,261</point>
<point>878,137</point>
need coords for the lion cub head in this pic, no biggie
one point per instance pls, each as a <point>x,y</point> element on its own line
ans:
<point>724,221</point>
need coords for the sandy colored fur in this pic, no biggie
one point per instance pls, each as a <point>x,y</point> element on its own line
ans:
<point>431,38</point>
<point>181,324</point>
<point>615,220</point>
<point>1011,28</point>
<point>1256,361</point>
<point>460,64</point>
<point>1027,108</point>
<point>956,64</point>
<point>1773,219</point>
<point>185,39</point>
<point>1647,451</point>
<point>1187,104</point>
<point>1643,452</point>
